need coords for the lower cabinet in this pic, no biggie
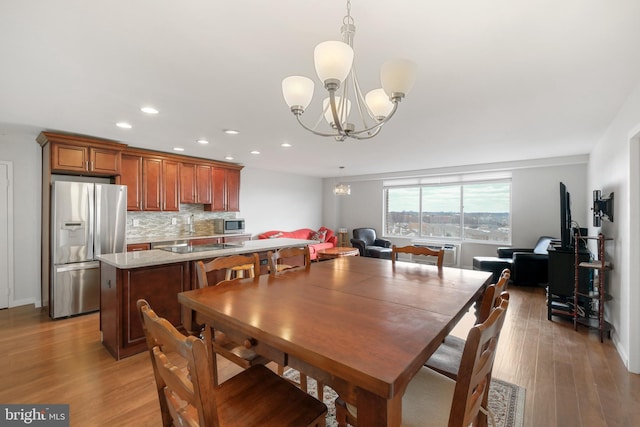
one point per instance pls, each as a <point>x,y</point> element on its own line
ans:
<point>120,325</point>
<point>134,247</point>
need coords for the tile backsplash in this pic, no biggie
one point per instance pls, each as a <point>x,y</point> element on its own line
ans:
<point>153,225</point>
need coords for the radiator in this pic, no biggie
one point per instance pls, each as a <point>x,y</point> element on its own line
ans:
<point>451,251</point>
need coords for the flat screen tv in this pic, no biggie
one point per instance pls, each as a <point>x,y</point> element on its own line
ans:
<point>565,217</point>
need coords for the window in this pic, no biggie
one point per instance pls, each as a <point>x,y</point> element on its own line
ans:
<point>475,211</point>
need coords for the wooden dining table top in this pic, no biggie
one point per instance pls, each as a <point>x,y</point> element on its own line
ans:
<point>361,325</point>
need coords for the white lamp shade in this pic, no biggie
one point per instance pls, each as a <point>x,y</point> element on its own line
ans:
<point>333,60</point>
<point>297,90</point>
<point>328,114</point>
<point>379,103</point>
<point>398,76</point>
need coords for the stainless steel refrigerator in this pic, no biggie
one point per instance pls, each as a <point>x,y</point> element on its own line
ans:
<point>87,219</point>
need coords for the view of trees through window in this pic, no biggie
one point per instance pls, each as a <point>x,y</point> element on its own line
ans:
<point>475,211</point>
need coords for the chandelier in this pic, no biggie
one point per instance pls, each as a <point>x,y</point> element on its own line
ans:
<point>342,189</point>
<point>336,70</point>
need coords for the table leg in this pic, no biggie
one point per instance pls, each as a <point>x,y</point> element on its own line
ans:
<point>376,411</point>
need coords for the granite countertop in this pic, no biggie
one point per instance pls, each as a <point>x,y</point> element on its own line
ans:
<point>127,260</point>
<point>133,241</point>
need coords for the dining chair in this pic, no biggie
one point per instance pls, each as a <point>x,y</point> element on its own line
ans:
<point>240,354</point>
<point>439,399</point>
<point>250,262</point>
<point>446,359</point>
<point>188,396</point>
<point>417,250</point>
<point>287,259</point>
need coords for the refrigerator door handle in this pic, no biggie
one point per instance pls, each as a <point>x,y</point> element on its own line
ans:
<point>93,236</point>
<point>77,266</point>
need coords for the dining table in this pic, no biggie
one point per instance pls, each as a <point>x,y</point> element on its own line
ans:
<point>363,326</point>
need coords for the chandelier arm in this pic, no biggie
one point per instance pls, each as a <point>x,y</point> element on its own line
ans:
<point>378,125</point>
<point>315,131</point>
<point>369,135</point>
<point>336,119</point>
<point>360,100</point>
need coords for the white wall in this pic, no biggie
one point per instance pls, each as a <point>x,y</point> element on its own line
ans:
<point>613,167</point>
<point>278,201</point>
<point>535,201</point>
<point>21,149</point>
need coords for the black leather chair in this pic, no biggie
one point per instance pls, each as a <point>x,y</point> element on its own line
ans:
<point>365,240</point>
<point>529,266</point>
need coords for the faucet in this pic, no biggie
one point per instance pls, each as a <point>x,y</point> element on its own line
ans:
<point>192,228</point>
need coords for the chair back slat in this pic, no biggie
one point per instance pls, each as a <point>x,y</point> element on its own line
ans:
<point>224,263</point>
<point>474,376</point>
<point>490,298</point>
<point>418,250</point>
<point>289,259</point>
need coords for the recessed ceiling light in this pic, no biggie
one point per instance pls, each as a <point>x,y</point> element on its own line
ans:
<point>178,149</point>
<point>228,158</point>
<point>231,132</point>
<point>285,145</point>
<point>255,152</point>
<point>202,141</point>
<point>149,110</point>
<point>124,125</point>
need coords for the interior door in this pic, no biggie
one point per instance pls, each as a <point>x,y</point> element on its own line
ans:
<point>6,233</point>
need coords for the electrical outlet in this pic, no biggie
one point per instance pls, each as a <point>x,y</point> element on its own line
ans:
<point>136,222</point>
<point>174,221</point>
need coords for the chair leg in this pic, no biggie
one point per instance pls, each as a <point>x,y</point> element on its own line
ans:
<point>213,363</point>
<point>341,412</point>
<point>320,390</point>
<point>303,382</point>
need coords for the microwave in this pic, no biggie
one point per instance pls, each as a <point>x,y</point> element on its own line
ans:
<point>228,226</point>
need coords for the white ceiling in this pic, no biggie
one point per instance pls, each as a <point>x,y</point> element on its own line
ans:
<point>499,80</point>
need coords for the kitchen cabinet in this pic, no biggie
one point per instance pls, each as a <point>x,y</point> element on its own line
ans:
<point>152,182</point>
<point>120,325</point>
<point>236,238</point>
<point>131,176</point>
<point>195,183</point>
<point>170,185</point>
<point>82,156</point>
<point>134,247</point>
<point>226,190</point>
<point>205,241</point>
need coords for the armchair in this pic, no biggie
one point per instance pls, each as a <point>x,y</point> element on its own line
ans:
<point>529,266</point>
<point>366,241</point>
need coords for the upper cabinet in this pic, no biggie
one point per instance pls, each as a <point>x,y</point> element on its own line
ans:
<point>195,183</point>
<point>155,181</point>
<point>226,190</point>
<point>170,185</point>
<point>152,182</point>
<point>131,176</point>
<point>80,155</point>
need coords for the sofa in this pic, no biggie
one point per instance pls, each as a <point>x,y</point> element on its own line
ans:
<point>325,236</point>
<point>529,266</point>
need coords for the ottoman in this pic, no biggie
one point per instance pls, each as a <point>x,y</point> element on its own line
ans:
<point>492,264</point>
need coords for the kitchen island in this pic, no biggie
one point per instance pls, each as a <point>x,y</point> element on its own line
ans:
<point>158,276</point>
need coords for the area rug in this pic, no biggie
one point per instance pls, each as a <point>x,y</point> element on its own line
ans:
<point>506,401</point>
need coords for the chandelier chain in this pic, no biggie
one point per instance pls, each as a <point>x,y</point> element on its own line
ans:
<point>348,19</point>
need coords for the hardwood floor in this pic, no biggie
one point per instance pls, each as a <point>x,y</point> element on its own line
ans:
<point>571,378</point>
